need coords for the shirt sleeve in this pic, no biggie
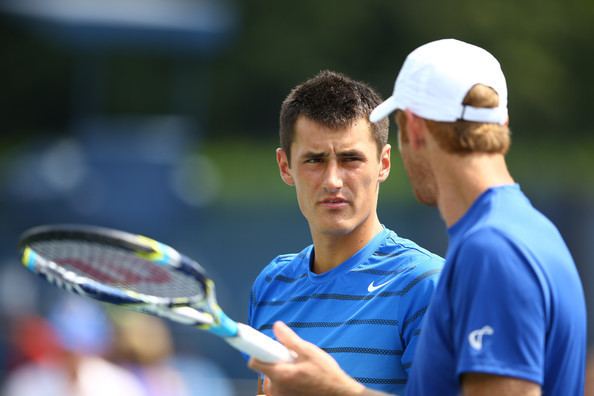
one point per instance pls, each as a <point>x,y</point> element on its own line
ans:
<point>498,310</point>
<point>413,310</point>
<point>251,309</point>
<point>258,286</point>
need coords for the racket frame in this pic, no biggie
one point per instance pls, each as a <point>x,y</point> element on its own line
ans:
<point>201,311</point>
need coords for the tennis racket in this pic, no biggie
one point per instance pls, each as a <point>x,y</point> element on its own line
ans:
<point>139,273</point>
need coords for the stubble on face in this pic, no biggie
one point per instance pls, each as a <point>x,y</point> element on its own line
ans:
<point>351,153</point>
<point>418,169</point>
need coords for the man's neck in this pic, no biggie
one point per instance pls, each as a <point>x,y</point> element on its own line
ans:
<point>331,250</point>
<point>462,179</point>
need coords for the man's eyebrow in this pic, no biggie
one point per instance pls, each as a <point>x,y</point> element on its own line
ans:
<point>314,155</point>
<point>340,154</point>
<point>351,153</point>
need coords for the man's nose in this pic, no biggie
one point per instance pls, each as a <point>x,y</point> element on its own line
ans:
<point>332,176</point>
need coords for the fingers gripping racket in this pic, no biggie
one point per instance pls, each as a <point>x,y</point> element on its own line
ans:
<point>137,272</point>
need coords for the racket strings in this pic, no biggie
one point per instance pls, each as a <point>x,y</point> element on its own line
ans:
<point>118,267</point>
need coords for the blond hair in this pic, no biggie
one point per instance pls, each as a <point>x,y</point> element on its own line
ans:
<point>465,137</point>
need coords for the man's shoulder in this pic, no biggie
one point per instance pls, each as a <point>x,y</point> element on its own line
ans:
<point>404,261</point>
<point>490,241</point>
<point>404,251</point>
<point>489,256</point>
<point>285,266</point>
<point>285,270</point>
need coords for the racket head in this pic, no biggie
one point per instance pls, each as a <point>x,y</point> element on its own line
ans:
<point>115,267</point>
<point>139,273</point>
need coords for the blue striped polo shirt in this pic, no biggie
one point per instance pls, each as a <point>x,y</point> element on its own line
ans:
<point>366,312</point>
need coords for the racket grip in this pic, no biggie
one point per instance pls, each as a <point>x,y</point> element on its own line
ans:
<point>259,345</point>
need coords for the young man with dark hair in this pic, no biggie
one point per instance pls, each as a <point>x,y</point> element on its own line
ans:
<point>359,291</point>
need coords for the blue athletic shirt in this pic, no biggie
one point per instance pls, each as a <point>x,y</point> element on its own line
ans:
<point>366,312</point>
<point>509,303</point>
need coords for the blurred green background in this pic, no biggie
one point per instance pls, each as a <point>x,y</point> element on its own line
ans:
<point>545,47</point>
<point>228,88</point>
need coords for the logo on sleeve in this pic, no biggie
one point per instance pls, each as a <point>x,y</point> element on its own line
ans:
<point>475,338</point>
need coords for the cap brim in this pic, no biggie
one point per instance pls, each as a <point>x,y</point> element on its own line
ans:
<point>383,109</point>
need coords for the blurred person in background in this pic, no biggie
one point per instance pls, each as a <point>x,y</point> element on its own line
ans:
<point>75,365</point>
<point>360,290</point>
<point>31,340</point>
<point>143,345</point>
<point>509,315</point>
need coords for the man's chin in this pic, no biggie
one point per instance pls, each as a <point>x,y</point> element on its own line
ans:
<point>426,199</point>
<point>339,229</point>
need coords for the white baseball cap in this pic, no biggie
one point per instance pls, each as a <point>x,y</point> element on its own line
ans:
<point>436,77</point>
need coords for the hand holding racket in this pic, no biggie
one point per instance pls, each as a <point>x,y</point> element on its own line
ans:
<point>137,272</point>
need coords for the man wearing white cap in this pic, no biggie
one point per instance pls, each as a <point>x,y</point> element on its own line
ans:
<point>508,316</point>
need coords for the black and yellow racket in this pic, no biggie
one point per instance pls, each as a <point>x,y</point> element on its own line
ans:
<point>140,273</point>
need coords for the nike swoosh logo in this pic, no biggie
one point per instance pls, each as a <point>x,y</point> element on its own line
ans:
<point>373,287</point>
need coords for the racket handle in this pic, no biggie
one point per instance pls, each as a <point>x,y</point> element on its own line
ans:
<point>259,345</point>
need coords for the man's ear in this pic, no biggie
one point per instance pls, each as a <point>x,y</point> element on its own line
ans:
<point>284,166</point>
<point>416,128</point>
<point>385,163</point>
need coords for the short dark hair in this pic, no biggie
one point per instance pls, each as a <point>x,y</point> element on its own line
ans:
<point>333,100</point>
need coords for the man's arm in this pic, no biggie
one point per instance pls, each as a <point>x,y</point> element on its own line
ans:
<point>314,372</point>
<point>474,384</point>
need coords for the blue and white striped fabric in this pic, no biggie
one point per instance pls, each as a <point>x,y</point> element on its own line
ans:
<point>366,312</point>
